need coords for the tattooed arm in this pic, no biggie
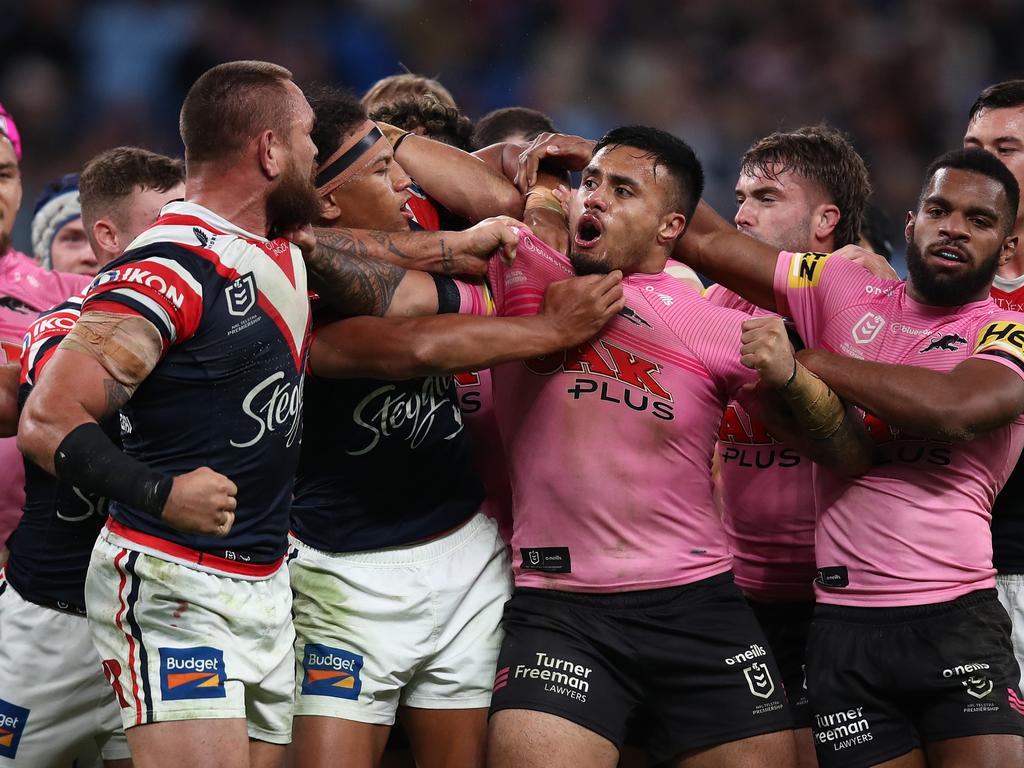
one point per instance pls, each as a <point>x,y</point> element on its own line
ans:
<point>376,273</point>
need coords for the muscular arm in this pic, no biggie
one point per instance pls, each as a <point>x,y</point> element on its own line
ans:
<point>974,398</point>
<point>9,399</point>
<point>91,375</point>
<point>371,273</point>
<point>848,450</point>
<point>398,348</point>
<point>718,251</point>
<point>799,407</point>
<point>465,185</point>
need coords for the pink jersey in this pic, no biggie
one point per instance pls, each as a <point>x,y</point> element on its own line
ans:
<point>26,289</point>
<point>610,444</point>
<point>476,401</point>
<point>915,528</point>
<point>767,498</point>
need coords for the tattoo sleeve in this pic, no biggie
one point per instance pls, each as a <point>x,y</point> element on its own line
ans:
<point>343,270</point>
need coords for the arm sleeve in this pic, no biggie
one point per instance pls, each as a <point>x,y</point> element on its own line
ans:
<point>812,287</point>
<point>1001,340</point>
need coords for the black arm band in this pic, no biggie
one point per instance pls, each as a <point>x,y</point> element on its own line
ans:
<point>449,300</point>
<point>88,460</point>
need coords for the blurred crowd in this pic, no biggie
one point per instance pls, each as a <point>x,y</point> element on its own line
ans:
<point>85,76</point>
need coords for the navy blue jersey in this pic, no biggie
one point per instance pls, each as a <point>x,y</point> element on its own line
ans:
<point>384,463</point>
<point>233,311</point>
<point>51,546</point>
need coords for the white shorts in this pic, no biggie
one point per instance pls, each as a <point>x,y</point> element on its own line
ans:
<point>1010,588</point>
<point>416,625</point>
<point>185,643</point>
<point>55,705</point>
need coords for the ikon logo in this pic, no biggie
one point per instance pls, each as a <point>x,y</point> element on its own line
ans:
<point>759,680</point>
<point>867,328</point>
<point>241,295</point>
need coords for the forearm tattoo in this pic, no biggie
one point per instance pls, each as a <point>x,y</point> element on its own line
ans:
<point>349,277</point>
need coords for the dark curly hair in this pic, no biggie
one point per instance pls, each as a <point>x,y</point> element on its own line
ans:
<point>433,119</point>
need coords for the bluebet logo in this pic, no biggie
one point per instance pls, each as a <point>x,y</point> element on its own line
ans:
<point>331,671</point>
<point>191,673</point>
<point>12,724</point>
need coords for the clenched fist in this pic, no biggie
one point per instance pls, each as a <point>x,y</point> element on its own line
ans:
<point>765,347</point>
<point>201,501</point>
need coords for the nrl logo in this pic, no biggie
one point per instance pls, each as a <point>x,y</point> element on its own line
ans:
<point>759,680</point>
<point>241,295</point>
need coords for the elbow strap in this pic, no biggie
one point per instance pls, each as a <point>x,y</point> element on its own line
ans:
<point>449,299</point>
<point>87,459</point>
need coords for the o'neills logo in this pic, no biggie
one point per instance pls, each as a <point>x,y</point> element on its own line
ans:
<point>273,405</point>
<point>561,676</point>
<point>755,652</point>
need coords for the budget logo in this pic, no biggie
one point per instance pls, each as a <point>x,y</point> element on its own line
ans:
<point>328,671</point>
<point>191,673</point>
<point>241,295</point>
<point>867,328</point>
<point>12,724</point>
<point>759,680</point>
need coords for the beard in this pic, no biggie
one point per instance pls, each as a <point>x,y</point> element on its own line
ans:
<point>949,290</point>
<point>293,203</point>
<point>589,264</point>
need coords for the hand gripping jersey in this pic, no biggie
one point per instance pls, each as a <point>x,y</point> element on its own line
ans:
<point>1008,511</point>
<point>233,311</point>
<point>767,497</point>
<point>51,545</point>
<point>26,289</point>
<point>610,444</point>
<point>915,528</point>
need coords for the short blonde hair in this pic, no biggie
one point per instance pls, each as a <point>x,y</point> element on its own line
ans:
<point>405,87</point>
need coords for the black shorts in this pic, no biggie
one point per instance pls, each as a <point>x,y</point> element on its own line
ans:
<point>884,681</point>
<point>689,662</point>
<point>786,626</point>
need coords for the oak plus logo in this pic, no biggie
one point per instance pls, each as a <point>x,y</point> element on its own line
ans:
<point>241,295</point>
<point>612,374</point>
<point>867,328</point>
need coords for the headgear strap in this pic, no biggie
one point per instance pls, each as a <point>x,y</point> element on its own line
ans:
<point>350,158</point>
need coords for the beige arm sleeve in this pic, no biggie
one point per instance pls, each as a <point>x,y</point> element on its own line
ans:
<point>814,405</point>
<point>127,346</point>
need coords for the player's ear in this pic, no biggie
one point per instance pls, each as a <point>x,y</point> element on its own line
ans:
<point>827,219</point>
<point>1008,250</point>
<point>330,211</point>
<point>671,227</point>
<point>908,230</point>
<point>270,154</point>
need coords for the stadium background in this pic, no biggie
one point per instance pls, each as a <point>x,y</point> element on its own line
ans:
<point>898,76</point>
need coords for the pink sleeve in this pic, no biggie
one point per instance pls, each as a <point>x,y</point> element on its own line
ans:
<point>713,334</point>
<point>721,296</point>
<point>475,299</point>
<point>812,287</point>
